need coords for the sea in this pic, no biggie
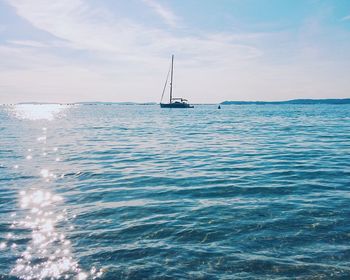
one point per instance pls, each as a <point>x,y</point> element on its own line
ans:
<point>109,191</point>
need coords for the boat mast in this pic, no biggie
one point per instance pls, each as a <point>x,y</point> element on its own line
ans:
<point>171,80</point>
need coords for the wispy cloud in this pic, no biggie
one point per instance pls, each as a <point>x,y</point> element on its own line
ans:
<point>83,27</point>
<point>93,51</point>
<point>165,13</point>
<point>28,43</point>
<point>346,17</point>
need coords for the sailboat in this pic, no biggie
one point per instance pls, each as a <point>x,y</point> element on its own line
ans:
<point>174,102</point>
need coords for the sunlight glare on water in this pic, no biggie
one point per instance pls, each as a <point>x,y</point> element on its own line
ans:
<point>48,252</point>
<point>37,112</point>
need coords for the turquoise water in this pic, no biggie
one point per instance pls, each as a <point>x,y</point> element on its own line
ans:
<point>139,192</point>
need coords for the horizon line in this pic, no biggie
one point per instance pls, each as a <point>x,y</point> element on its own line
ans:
<point>156,103</point>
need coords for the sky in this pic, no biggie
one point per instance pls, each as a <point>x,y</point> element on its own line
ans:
<point>118,51</point>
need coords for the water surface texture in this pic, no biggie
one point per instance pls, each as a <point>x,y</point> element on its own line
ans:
<point>139,192</point>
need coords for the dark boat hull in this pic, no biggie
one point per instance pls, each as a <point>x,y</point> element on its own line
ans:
<point>175,105</point>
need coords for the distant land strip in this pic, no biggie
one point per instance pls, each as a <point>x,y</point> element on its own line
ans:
<point>293,101</point>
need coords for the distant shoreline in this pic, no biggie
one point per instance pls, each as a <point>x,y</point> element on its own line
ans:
<point>293,101</point>
<point>333,101</point>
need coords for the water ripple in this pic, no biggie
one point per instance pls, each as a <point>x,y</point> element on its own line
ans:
<point>135,192</point>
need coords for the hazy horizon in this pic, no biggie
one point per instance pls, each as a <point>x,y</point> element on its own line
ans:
<point>78,51</point>
<point>156,103</point>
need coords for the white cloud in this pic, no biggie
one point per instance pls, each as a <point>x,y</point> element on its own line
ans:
<point>91,29</point>
<point>70,20</point>
<point>166,14</point>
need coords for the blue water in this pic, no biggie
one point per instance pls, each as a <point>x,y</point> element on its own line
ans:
<point>139,192</point>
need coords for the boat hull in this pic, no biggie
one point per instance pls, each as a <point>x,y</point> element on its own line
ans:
<point>175,105</point>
